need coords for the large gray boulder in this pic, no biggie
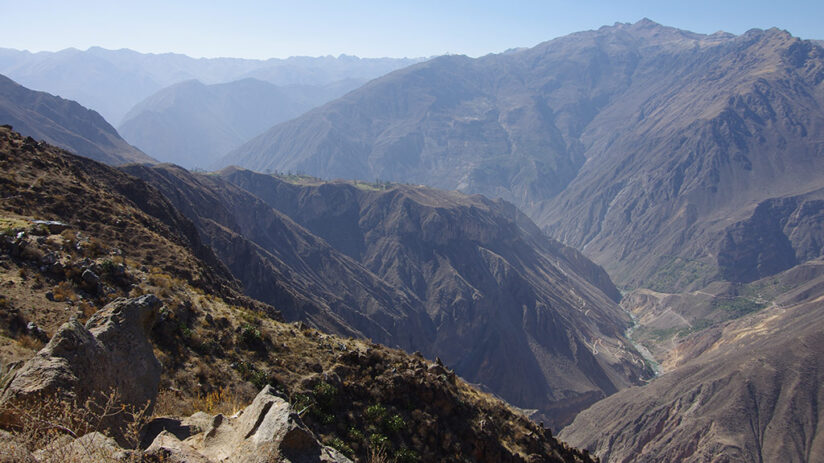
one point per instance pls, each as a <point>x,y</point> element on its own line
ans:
<point>267,430</point>
<point>110,354</point>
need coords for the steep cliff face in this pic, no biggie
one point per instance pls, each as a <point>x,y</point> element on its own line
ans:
<point>64,123</point>
<point>283,264</point>
<point>501,296</point>
<point>781,233</point>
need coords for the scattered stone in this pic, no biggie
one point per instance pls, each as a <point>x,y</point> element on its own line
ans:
<point>90,277</point>
<point>36,331</point>
<point>53,226</point>
<point>168,448</point>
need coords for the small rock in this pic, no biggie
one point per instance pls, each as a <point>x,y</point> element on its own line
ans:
<point>93,446</point>
<point>169,449</point>
<point>90,277</point>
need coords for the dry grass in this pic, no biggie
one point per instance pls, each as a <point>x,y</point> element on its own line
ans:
<point>223,401</point>
<point>58,431</point>
<point>30,342</point>
<point>64,291</point>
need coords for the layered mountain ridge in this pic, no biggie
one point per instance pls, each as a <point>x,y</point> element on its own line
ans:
<point>471,281</point>
<point>64,123</point>
<point>113,81</point>
<point>192,124</point>
<point>627,142</point>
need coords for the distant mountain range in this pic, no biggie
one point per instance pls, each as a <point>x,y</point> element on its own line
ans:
<point>64,123</point>
<point>192,124</point>
<point>638,143</point>
<point>112,81</point>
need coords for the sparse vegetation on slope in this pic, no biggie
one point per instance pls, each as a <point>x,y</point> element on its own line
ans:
<point>215,345</point>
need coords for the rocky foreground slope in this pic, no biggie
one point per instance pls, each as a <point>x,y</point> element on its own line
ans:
<point>80,241</point>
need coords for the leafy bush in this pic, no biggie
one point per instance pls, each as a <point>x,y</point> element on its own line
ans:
<point>341,446</point>
<point>378,441</point>
<point>375,413</point>
<point>395,424</point>
<point>406,456</point>
<point>250,337</point>
<point>355,434</point>
<point>325,395</point>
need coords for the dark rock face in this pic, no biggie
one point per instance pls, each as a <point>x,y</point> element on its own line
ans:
<point>780,234</point>
<point>503,300</point>
<point>281,263</point>
<point>637,143</point>
<point>467,279</point>
<point>64,123</point>
<point>111,353</point>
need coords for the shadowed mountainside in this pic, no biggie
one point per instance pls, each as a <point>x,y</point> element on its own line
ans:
<point>463,278</point>
<point>283,264</point>
<point>502,297</point>
<point>64,123</point>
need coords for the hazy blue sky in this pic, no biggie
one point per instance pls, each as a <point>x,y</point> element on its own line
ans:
<point>261,29</point>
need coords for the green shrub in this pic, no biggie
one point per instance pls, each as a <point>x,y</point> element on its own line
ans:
<point>406,456</point>
<point>395,423</point>
<point>250,337</point>
<point>259,379</point>
<point>378,441</point>
<point>341,446</point>
<point>375,413</point>
<point>325,395</point>
<point>355,434</point>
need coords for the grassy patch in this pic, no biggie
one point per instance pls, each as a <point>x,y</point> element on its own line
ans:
<point>737,307</point>
<point>677,273</point>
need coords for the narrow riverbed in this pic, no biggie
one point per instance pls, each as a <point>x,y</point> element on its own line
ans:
<point>656,367</point>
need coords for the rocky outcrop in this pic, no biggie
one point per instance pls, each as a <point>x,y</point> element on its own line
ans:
<point>267,428</point>
<point>110,354</point>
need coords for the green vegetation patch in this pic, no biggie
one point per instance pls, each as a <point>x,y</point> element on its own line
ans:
<point>737,307</point>
<point>677,273</point>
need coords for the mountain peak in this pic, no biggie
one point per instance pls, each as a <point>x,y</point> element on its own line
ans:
<point>646,23</point>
